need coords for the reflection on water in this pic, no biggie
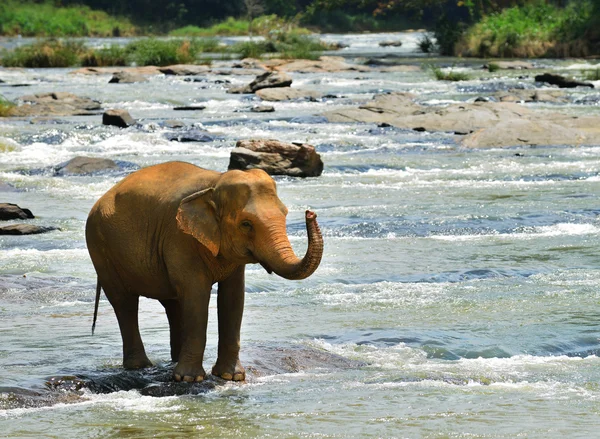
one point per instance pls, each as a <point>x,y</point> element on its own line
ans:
<point>458,294</point>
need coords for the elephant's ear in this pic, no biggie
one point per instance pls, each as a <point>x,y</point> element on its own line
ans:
<point>197,216</point>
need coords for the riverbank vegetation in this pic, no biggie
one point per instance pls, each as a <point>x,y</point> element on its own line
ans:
<point>483,28</point>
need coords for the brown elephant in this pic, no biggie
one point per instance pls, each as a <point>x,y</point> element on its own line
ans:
<point>169,232</point>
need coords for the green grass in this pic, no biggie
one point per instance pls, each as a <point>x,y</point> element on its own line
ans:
<point>493,67</point>
<point>591,75</point>
<point>532,30</point>
<point>46,20</point>
<point>262,25</point>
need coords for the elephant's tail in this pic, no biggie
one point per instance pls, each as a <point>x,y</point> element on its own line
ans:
<point>98,289</point>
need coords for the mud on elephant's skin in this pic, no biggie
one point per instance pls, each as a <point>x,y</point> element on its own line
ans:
<point>169,232</point>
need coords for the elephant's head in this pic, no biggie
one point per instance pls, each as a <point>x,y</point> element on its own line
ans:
<point>242,220</point>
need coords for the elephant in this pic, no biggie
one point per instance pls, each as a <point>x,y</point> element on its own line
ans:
<point>172,230</point>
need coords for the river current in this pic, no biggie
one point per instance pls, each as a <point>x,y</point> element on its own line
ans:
<point>462,284</point>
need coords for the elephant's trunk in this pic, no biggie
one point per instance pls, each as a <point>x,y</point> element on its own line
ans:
<point>283,260</point>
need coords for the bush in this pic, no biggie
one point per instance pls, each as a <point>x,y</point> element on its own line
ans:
<point>426,44</point>
<point>151,51</point>
<point>37,19</point>
<point>105,57</point>
<point>49,53</point>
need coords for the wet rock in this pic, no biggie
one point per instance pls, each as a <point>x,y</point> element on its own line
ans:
<point>184,70</point>
<point>171,123</point>
<point>192,135</point>
<point>141,70</point>
<point>277,158</point>
<point>85,165</point>
<point>118,118</point>
<point>9,211</point>
<point>265,80</point>
<point>190,108</point>
<point>56,104</point>
<point>390,43</point>
<point>263,109</point>
<point>125,77</point>
<point>400,69</point>
<point>561,81</point>
<point>7,187</point>
<point>24,229</point>
<point>286,94</point>
<point>484,124</point>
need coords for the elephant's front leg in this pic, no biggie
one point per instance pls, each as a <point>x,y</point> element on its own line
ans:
<point>194,302</point>
<point>230,305</point>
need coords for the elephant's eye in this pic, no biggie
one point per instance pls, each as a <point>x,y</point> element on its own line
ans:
<point>246,225</point>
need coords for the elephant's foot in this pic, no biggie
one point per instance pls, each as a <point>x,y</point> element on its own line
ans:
<point>189,372</point>
<point>229,370</point>
<point>136,361</point>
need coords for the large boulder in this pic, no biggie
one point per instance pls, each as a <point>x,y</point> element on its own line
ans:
<point>118,118</point>
<point>325,64</point>
<point>85,165</point>
<point>265,80</point>
<point>277,158</point>
<point>56,104</point>
<point>9,211</point>
<point>286,94</point>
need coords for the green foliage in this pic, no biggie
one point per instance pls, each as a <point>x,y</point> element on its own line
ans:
<point>152,51</point>
<point>493,67</point>
<point>534,29</point>
<point>49,53</point>
<point>105,57</point>
<point>591,75</point>
<point>45,20</point>
<point>288,45</point>
<point>229,27</point>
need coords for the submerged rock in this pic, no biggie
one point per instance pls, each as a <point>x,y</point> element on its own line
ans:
<point>277,158</point>
<point>192,135</point>
<point>511,65</point>
<point>262,109</point>
<point>184,70</point>
<point>25,229</point>
<point>118,118</point>
<point>390,43</point>
<point>81,165</point>
<point>9,211</point>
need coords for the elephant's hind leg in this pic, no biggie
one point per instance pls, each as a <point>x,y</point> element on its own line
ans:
<point>173,310</point>
<point>126,310</point>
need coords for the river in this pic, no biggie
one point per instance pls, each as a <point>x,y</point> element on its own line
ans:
<point>460,284</point>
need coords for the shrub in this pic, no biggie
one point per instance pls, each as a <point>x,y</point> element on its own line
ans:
<point>493,67</point>
<point>105,57</point>
<point>6,107</point>
<point>440,75</point>
<point>151,51</point>
<point>426,44</point>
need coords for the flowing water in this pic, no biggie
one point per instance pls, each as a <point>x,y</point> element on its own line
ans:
<point>462,284</point>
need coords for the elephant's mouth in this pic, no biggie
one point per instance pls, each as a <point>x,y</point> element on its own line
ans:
<point>266,267</point>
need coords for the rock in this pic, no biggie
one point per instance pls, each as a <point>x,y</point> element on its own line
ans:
<point>400,69</point>
<point>124,77</point>
<point>262,109</point>
<point>24,229</point>
<point>142,70</point>
<point>85,165</point>
<point>7,187</point>
<point>390,43</point>
<point>511,65</point>
<point>265,80</point>
<point>190,108</point>
<point>9,211</point>
<point>482,124</point>
<point>325,64</point>
<point>56,104</point>
<point>184,70</point>
<point>192,135</point>
<point>277,158</point>
<point>171,123</point>
<point>519,95</point>
<point>118,118</point>
<point>561,81</point>
<point>286,94</point>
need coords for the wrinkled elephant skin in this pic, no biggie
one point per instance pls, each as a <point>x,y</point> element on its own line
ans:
<point>171,231</point>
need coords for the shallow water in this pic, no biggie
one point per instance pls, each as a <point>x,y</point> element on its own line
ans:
<point>463,282</point>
